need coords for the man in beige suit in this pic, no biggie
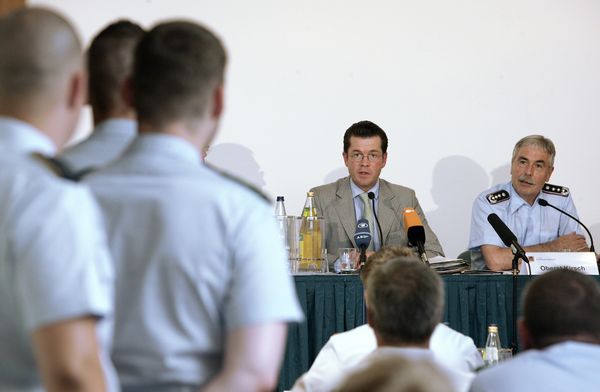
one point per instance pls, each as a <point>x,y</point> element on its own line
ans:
<point>345,201</point>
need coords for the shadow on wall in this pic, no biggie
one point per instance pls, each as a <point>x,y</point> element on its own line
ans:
<point>238,161</point>
<point>500,175</point>
<point>457,180</point>
<point>336,174</point>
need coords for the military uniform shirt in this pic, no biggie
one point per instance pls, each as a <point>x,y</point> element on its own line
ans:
<point>106,143</point>
<point>54,263</point>
<point>197,255</point>
<point>531,224</point>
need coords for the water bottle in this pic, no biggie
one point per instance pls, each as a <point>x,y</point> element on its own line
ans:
<point>310,236</point>
<point>492,346</point>
<point>280,207</point>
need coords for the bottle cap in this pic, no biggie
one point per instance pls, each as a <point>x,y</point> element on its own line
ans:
<point>493,328</point>
<point>310,193</point>
<point>280,198</point>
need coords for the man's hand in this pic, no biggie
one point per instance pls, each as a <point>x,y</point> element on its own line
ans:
<point>571,242</point>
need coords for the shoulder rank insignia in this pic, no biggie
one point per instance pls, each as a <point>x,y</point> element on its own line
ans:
<point>240,181</point>
<point>497,197</point>
<point>56,166</point>
<point>556,190</point>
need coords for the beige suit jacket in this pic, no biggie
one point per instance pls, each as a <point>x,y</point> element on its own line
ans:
<point>334,202</point>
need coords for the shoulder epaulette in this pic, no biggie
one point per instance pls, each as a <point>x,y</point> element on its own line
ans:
<point>498,196</point>
<point>56,166</point>
<point>240,181</point>
<point>556,190</point>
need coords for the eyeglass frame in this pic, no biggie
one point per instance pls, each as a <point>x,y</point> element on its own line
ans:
<point>359,156</point>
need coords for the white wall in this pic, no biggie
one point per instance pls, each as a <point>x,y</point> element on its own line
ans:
<point>453,83</point>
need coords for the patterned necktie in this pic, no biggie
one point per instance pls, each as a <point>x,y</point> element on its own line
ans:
<point>368,215</point>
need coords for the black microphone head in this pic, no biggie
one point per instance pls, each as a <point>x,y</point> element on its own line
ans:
<point>415,235</point>
<point>542,202</point>
<point>362,235</point>
<point>371,195</point>
<point>505,234</point>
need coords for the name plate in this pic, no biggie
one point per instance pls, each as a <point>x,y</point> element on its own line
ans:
<point>540,262</point>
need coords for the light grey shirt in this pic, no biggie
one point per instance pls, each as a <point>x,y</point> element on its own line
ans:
<point>108,141</point>
<point>54,263</point>
<point>567,366</point>
<point>197,255</point>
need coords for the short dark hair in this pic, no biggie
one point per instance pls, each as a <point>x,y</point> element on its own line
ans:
<point>562,305</point>
<point>364,129</point>
<point>405,300</point>
<point>177,66</point>
<point>109,63</point>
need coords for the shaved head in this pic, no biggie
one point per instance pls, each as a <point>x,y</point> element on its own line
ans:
<point>38,51</point>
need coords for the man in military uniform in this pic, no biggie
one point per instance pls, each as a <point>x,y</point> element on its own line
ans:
<point>55,269</point>
<point>202,289</point>
<point>345,201</point>
<point>109,64</point>
<point>537,228</point>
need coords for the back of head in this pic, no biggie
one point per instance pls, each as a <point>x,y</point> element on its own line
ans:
<point>177,66</point>
<point>365,129</point>
<point>405,301</point>
<point>381,256</point>
<point>562,305</point>
<point>396,374</point>
<point>109,63</point>
<point>39,50</point>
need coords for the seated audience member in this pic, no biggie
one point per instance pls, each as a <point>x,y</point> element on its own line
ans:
<point>346,349</point>
<point>537,228</point>
<point>344,202</point>
<point>560,331</point>
<point>203,295</point>
<point>55,271</point>
<point>109,63</point>
<point>396,374</point>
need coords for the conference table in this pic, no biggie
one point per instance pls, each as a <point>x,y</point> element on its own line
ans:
<point>334,303</point>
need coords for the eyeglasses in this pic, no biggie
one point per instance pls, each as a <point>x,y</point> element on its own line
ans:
<point>358,156</point>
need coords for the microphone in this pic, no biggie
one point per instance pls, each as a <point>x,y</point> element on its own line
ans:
<point>415,232</point>
<point>372,198</point>
<point>545,203</point>
<point>362,238</point>
<point>508,237</point>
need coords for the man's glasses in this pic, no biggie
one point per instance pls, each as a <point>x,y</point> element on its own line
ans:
<point>358,156</point>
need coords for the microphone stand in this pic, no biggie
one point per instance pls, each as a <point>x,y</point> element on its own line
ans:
<point>517,254</point>
<point>363,257</point>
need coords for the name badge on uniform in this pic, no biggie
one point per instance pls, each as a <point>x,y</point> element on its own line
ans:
<point>541,262</point>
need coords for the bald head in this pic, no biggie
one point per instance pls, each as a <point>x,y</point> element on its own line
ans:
<point>38,50</point>
<point>42,81</point>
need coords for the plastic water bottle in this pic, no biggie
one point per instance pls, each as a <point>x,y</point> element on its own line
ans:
<point>492,346</point>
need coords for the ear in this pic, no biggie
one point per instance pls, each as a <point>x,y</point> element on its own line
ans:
<point>384,157</point>
<point>127,92</point>
<point>77,91</point>
<point>524,334</point>
<point>345,156</point>
<point>370,318</point>
<point>550,173</point>
<point>218,101</point>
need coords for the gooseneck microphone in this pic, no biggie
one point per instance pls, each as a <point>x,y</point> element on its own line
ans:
<point>544,203</point>
<point>362,238</point>
<point>415,232</point>
<point>372,198</point>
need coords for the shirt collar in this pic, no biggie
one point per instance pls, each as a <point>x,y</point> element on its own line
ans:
<point>21,136</point>
<point>117,125</point>
<point>516,201</point>
<point>357,191</point>
<point>167,145</point>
